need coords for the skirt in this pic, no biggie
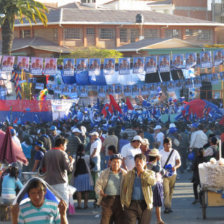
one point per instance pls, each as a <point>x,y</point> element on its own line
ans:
<point>158,195</point>
<point>82,183</point>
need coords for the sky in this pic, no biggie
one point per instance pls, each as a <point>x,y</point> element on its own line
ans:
<point>210,1</point>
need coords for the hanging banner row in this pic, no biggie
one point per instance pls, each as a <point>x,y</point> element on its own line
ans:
<point>125,66</point>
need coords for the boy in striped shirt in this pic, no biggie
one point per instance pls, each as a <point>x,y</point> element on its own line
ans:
<point>38,209</point>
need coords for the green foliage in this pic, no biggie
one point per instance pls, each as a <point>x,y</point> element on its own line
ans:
<point>93,52</point>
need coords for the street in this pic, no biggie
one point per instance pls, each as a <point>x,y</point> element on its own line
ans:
<point>183,210</point>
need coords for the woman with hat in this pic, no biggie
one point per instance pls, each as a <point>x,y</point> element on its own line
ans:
<point>40,151</point>
<point>154,164</point>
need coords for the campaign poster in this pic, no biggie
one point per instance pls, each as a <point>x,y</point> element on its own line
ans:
<point>118,89</point>
<point>23,62</point>
<point>178,61</point>
<point>135,90</point>
<point>215,78</point>
<point>127,90</point>
<point>0,58</point>
<point>138,65</point>
<point>109,66</point>
<point>218,57</point>
<point>68,66</point>
<point>164,63</point>
<point>110,89</point>
<point>94,68</point>
<point>82,64</point>
<point>144,89</point>
<point>36,66</point>
<point>50,66</point>
<point>58,89</point>
<point>83,91</point>
<point>7,63</point>
<point>101,91</point>
<point>197,82</point>
<point>73,91</point>
<point>191,60</point>
<point>205,59</point>
<point>151,64</point>
<point>124,66</point>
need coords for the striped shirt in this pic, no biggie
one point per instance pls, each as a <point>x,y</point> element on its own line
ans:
<point>47,213</point>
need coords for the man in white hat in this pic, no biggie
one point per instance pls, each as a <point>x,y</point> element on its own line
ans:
<point>73,141</point>
<point>159,137</point>
<point>129,151</point>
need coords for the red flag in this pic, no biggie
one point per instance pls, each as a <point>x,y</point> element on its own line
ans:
<point>104,111</point>
<point>129,105</point>
<point>115,105</point>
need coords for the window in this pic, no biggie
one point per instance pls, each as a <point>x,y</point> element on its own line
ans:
<point>25,33</point>
<point>204,35</point>
<point>90,31</point>
<point>189,32</point>
<point>106,33</point>
<point>134,35</point>
<point>151,33</point>
<point>173,33</point>
<point>123,35</point>
<point>72,33</point>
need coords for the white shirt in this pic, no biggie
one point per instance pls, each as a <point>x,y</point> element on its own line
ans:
<point>97,144</point>
<point>128,153</point>
<point>164,156</point>
<point>17,141</point>
<point>198,139</point>
<point>159,138</point>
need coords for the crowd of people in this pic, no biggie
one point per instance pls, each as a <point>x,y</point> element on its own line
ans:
<point>130,168</point>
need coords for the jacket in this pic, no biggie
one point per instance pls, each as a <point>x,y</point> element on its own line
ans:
<point>148,179</point>
<point>102,181</point>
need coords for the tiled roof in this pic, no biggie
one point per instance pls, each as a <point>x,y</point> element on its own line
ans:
<point>37,43</point>
<point>120,17</point>
<point>152,43</point>
<point>165,2</point>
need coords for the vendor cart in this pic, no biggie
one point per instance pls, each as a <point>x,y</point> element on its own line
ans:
<point>211,197</point>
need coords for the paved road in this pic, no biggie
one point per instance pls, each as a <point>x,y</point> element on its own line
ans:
<point>184,211</point>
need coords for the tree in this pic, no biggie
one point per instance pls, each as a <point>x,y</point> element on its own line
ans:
<point>29,10</point>
<point>93,52</point>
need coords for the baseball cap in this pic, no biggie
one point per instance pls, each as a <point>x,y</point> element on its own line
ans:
<point>137,138</point>
<point>157,127</point>
<point>76,130</point>
<point>194,125</point>
<point>53,128</point>
<point>172,125</point>
<point>116,156</point>
<point>95,133</point>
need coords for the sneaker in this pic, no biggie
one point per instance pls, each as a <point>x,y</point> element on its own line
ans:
<point>170,210</point>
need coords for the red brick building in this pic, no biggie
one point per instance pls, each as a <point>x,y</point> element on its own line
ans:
<point>69,28</point>
<point>192,8</point>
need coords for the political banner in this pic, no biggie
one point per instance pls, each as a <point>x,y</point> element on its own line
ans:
<point>138,65</point>
<point>205,59</point>
<point>144,89</point>
<point>101,91</point>
<point>8,63</point>
<point>36,66</point>
<point>178,61</point>
<point>39,86</point>
<point>109,66</point>
<point>164,63</point>
<point>68,66</point>
<point>82,64</point>
<point>118,89</point>
<point>218,57</point>
<point>135,90</point>
<point>23,62</point>
<point>127,90</point>
<point>83,91</point>
<point>124,66</point>
<point>191,60</point>
<point>110,90</point>
<point>151,64</point>
<point>50,66</point>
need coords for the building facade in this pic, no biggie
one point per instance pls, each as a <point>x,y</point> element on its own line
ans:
<point>110,29</point>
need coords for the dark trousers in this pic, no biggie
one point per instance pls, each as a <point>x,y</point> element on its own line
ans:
<point>137,211</point>
<point>111,210</point>
<point>195,189</point>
